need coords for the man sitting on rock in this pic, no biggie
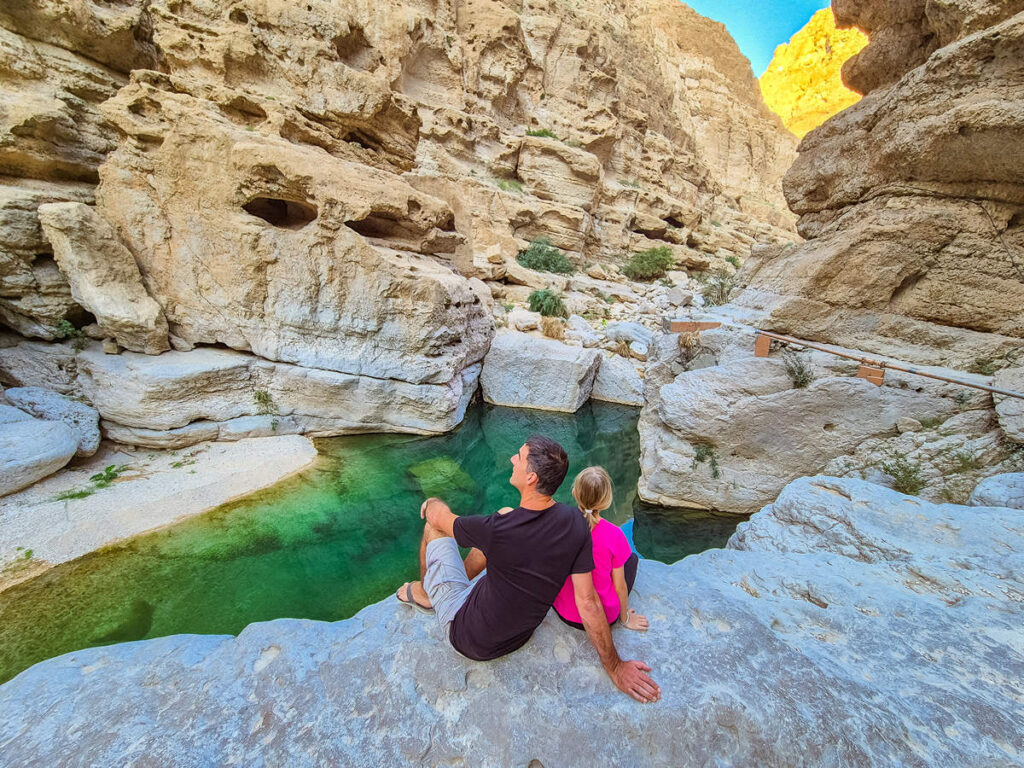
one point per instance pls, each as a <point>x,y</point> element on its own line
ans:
<point>528,553</point>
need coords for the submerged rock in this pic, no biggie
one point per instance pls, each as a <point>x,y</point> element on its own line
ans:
<point>831,632</point>
<point>31,449</point>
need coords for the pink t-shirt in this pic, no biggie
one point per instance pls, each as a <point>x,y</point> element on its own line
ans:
<point>611,550</point>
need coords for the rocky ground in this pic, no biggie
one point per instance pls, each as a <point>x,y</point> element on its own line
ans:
<point>831,631</point>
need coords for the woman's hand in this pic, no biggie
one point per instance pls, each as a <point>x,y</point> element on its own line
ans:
<point>636,621</point>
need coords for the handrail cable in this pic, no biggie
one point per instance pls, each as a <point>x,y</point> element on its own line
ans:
<point>892,366</point>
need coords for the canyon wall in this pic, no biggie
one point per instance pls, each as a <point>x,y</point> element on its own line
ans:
<point>316,190</point>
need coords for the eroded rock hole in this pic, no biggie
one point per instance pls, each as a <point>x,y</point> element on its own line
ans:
<point>288,214</point>
<point>672,221</point>
<point>354,49</point>
<point>363,140</point>
<point>238,16</point>
<point>380,226</point>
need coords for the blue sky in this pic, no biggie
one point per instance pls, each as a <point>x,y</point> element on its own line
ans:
<point>759,25</point>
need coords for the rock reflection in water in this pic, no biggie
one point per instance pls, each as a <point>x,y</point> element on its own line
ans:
<point>669,535</point>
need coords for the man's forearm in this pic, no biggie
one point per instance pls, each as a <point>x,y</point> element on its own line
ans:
<point>438,515</point>
<point>600,634</point>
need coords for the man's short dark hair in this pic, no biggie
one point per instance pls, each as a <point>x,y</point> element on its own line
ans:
<point>547,458</point>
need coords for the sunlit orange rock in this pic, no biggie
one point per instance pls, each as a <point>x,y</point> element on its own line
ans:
<point>802,85</point>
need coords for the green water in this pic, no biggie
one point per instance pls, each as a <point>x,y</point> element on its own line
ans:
<point>325,543</point>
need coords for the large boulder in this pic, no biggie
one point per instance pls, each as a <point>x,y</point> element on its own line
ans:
<point>526,372</point>
<point>618,382</point>
<point>831,632</point>
<point>1010,410</point>
<point>31,449</point>
<point>179,398</point>
<point>104,277</point>
<point>48,405</point>
<point>1006,490</point>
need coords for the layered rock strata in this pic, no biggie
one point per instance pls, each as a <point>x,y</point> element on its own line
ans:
<point>911,200</point>
<point>831,631</point>
<point>318,184</point>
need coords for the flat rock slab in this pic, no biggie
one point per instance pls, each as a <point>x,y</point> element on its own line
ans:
<point>153,490</point>
<point>890,636</point>
<point>52,406</point>
<point>523,371</point>
<point>31,449</point>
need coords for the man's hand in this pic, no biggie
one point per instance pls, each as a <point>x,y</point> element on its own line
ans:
<point>438,515</point>
<point>631,677</point>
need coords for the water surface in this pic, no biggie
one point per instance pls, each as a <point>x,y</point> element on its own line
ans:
<point>327,542</point>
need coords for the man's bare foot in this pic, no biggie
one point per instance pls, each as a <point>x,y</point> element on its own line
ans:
<point>412,593</point>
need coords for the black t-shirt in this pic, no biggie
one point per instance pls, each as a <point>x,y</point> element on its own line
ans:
<point>529,554</point>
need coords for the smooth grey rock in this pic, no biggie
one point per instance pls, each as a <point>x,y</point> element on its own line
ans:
<point>523,320</point>
<point>618,382</point>
<point>525,372</point>
<point>166,400</point>
<point>31,449</point>
<point>1010,410</point>
<point>679,297</point>
<point>580,328</point>
<point>52,406</point>
<point>629,332</point>
<point>1006,490</point>
<point>846,625</point>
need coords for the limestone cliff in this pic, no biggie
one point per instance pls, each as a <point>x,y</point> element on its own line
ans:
<point>803,84</point>
<point>317,185</point>
<point>912,199</point>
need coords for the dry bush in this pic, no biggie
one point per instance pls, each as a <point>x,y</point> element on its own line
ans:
<point>552,327</point>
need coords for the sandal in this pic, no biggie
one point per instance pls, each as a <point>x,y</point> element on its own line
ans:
<point>411,602</point>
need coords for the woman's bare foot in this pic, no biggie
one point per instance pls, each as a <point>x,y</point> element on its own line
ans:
<point>412,593</point>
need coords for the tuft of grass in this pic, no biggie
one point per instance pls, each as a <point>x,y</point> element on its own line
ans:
<point>543,133</point>
<point>649,264</point>
<point>508,307</point>
<point>553,327</point>
<point>905,474</point>
<point>718,287</point>
<point>79,493</point>
<point>963,461</point>
<point>548,303</point>
<point>734,260</point>
<point>705,452</point>
<point>631,183</point>
<point>542,256</point>
<point>109,474</point>
<point>985,366</point>
<point>510,185</point>
<point>716,223</point>
<point>930,422</point>
<point>797,370</point>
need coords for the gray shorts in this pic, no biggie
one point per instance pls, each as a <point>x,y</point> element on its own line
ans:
<point>446,582</point>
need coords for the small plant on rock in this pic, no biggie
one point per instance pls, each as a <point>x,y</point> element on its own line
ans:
<point>963,460</point>
<point>798,370</point>
<point>905,474</point>
<point>718,287</point>
<point>65,330</point>
<point>985,366</point>
<point>510,185</point>
<point>734,260</point>
<point>548,303</point>
<point>649,264</point>
<point>553,327</point>
<point>542,132</point>
<point>265,406</point>
<point>705,452</point>
<point>930,422</point>
<point>109,474</point>
<point>542,256</point>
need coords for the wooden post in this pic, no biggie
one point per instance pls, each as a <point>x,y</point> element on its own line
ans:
<point>688,326</point>
<point>872,373</point>
<point>762,345</point>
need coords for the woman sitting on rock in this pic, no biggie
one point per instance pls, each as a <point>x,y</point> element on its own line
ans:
<point>615,563</point>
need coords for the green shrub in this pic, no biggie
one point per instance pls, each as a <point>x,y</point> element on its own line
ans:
<point>905,474</point>
<point>717,288</point>
<point>649,264</point>
<point>548,303</point>
<point>963,461</point>
<point>986,366</point>
<point>542,256</point>
<point>798,370</point>
<point>65,330</point>
<point>734,260</point>
<point>706,452</point>
<point>109,474</point>
<point>543,133</point>
<point>265,406</point>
